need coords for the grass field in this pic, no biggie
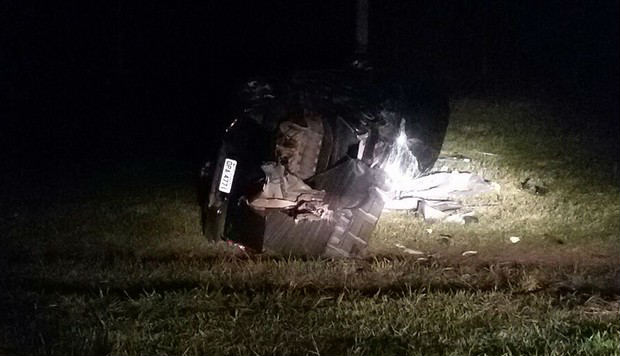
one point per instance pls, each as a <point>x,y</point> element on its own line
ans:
<point>115,263</point>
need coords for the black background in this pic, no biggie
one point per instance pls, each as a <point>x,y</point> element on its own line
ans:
<point>90,82</point>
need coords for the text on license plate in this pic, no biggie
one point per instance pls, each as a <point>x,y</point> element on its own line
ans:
<point>228,173</point>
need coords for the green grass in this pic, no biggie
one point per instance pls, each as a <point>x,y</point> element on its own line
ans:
<point>120,267</point>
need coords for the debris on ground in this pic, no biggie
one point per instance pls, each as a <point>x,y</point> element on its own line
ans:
<point>450,162</point>
<point>470,253</point>
<point>454,157</point>
<point>486,153</point>
<point>408,250</point>
<point>515,239</point>
<point>534,186</point>
<point>436,196</point>
<point>462,218</point>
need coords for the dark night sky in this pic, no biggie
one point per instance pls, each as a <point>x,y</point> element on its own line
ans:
<point>108,80</point>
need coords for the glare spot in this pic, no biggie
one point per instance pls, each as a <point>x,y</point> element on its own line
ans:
<point>402,139</point>
<point>401,165</point>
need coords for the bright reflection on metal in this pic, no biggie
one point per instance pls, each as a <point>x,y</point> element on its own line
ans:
<point>402,139</point>
<point>401,166</point>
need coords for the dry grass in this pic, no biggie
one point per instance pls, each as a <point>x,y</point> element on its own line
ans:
<point>121,267</point>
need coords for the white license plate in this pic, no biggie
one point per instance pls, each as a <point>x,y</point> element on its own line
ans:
<point>228,174</point>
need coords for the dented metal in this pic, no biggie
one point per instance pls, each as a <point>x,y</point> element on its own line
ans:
<point>314,156</point>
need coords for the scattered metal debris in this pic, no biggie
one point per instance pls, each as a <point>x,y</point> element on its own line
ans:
<point>486,153</point>
<point>408,250</point>
<point>436,196</point>
<point>462,218</point>
<point>454,157</point>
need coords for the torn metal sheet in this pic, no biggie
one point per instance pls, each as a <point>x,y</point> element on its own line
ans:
<point>445,186</point>
<point>429,213</point>
<point>436,196</point>
<point>314,155</point>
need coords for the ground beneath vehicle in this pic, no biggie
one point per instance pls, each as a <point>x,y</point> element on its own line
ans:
<point>305,166</point>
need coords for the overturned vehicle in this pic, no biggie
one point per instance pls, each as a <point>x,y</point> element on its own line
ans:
<point>307,163</point>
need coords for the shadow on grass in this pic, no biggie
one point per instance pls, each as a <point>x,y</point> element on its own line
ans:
<point>505,281</point>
